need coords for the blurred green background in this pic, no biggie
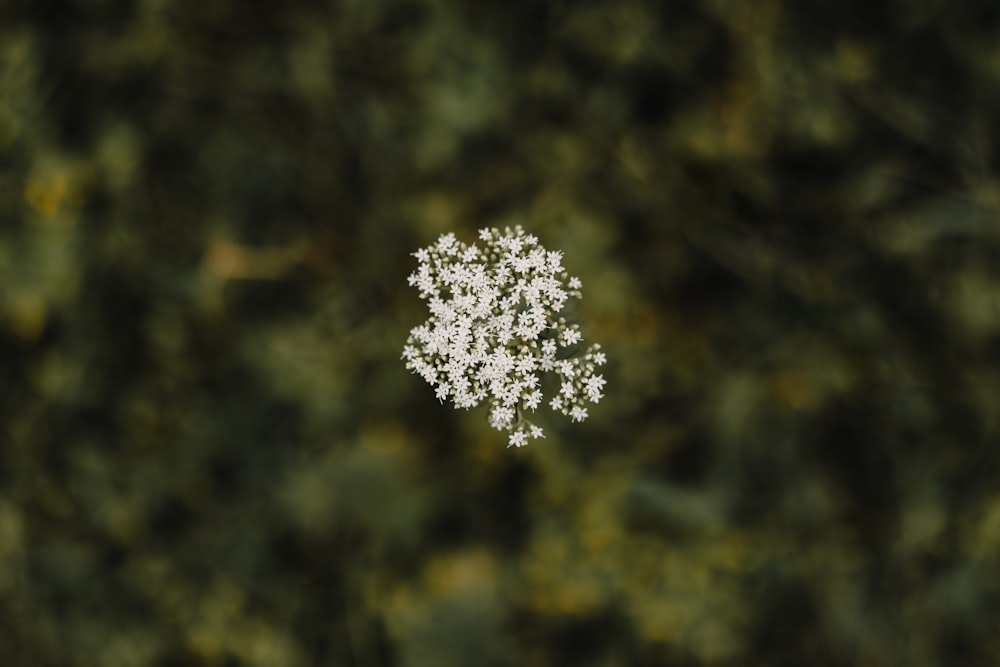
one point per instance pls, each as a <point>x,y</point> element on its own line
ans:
<point>785,217</point>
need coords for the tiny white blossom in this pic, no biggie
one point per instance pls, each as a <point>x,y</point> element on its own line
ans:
<point>446,243</point>
<point>531,400</point>
<point>471,254</point>
<point>555,260</point>
<point>594,385</point>
<point>502,417</point>
<point>578,414</point>
<point>525,364</point>
<point>571,337</point>
<point>522,264</point>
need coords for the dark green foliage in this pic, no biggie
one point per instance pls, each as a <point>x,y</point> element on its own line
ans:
<point>785,218</point>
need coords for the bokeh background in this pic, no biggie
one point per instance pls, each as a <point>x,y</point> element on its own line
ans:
<point>785,217</point>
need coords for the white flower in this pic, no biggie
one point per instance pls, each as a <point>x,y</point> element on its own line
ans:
<point>571,337</point>
<point>554,259</point>
<point>532,400</point>
<point>447,243</point>
<point>501,417</point>
<point>470,254</point>
<point>489,308</point>
<point>522,264</point>
<point>525,364</point>
<point>594,385</point>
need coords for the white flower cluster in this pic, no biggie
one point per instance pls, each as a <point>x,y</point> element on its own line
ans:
<point>494,329</point>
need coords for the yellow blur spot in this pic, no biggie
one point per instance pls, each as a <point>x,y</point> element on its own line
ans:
<point>27,317</point>
<point>45,194</point>
<point>473,571</point>
<point>793,390</point>
<point>854,61</point>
